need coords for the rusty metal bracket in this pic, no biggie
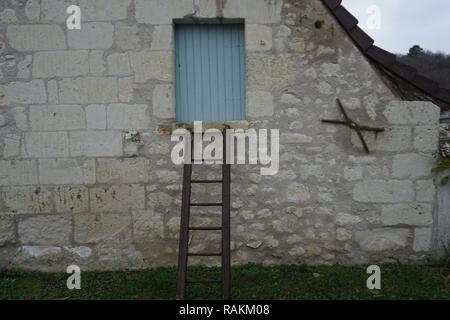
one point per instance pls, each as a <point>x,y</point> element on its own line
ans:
<point>353,125</point>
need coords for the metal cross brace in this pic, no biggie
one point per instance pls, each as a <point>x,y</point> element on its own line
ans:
<point>353,125</point>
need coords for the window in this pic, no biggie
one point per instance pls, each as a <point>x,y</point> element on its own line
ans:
<point>210,72</point>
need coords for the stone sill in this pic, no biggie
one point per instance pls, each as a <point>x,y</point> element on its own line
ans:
<point>169,127</point>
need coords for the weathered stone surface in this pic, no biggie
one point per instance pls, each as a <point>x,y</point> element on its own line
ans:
<point>151,65</point>
<point>426,138</point>
<point>425,190</point>
<point>408,214</point>
<point>127,36</point>
<point>383,191</point>
<point>89,228</point>
<point>60,171</point>
<point>295,138</point>
<point>44,254</point>
<point>422,239</point>
<point>8,16</point>
<point>148,225</point>
<point>117,198</point>
<point>123,116</point>
<point>344,219</point>
<point>259,104</point>
<point>55,10</point>
<point>79,252</point>
<point>96,143</point>
<point>52,89</point>
<point>163,103</point>
<point>258,37</point>
<point>382,239</point>
<point>254,11</point>
<point>88,90</point>
<point>162,38</point>
<point>119,64</point>
<point>36,37</point>
<point>33,10</point>
<point>23,93</point>
<point>11,146</point>
<point>343,234</point>
<point>45,230</point>
<point>162,11</point>
<point>298,192</point>
<point>412,165</point>
<point>412,112</point>
<point>71,199</point>
<point>49,118</point>
<point>93,35</point>
<point>96,116</point>
<point>159,200</point>
<point>7,232</point>
<point>135,170</point>
<point>104,10</point>
<point>24,67</point>
<point>27,199</point>
<point>126,92</point>
<point>60,64</point>
<point>392,139</point>
<point>47,144</point>
<point>267,71</point>
<point>97,64</point>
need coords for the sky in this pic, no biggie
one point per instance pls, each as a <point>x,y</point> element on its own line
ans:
<point>404,23</point>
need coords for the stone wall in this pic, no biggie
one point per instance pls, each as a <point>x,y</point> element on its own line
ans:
<point>85,170</point>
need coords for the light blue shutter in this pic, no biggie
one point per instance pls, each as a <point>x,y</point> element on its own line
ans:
<point>210,72</point>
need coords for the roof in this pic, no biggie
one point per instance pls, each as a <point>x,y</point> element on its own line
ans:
<point>386,60</point>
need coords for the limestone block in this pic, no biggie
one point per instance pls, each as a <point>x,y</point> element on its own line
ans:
<point>123,116</point>
<point>36,37</point>
<point>71,199</point>
<point>413,214</point>
<point>45,230</point>
<point>47,144</point>
<point>23,93</point>
<point>97,64</point>
<point>127,36</point>
<point>96,116</point>
<point>412,112</point>
<point>134,170</point>
<point>162,11</point>
<point>392,139</point>
<point>387,191</point>
<point>88,90</point>
<point>96,143</point>
<point>33,10</point>
<point>79,252</point>
<point>382,239</point>
<point>159,200</point>
<point>254,11</point>
<point>104,10</point>
<point>126,91</point>
<point>24,67</point>
<point>425,190</point>
<point>52,89</point>
<point>343,234</point>
<point>41,253</point>
<point>92,35</point>
<point>51,64</point>
<point>268,71</point>
<point>50,118</point>
<point>148,225</point>
<point>118,64</point>
<point>89,228</point>
<point>162,38</point>
<point>117,198</point>
<point>60,171</point>
<point>258,37</point>
<point>27,199</point>
<point>7,232</point>
<point>426,138</point>
<point>422,239</point>
<point>11,146</point>
<point>55,10</point>
<point>298,192</point>
<point>152,65</point>
<point>18,172</point>
<point>295,138</point>
<point>7,17</point>
<point>259,104</point>
<point>343,219</point>
<point>412,165</point>
<point>163,102</point>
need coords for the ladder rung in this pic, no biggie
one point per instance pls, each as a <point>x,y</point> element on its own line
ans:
<point>204,281</point>
<point>206,181</point>
<point>205,204</point>
<point>206,254</point>
<point>205,228</point>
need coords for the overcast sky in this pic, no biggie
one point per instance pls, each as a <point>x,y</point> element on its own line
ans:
<point>405,23</point>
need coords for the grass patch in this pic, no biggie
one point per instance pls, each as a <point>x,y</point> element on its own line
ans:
<point>248,282</point>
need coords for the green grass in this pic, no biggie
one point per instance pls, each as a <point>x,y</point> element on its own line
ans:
<point>248,282</point>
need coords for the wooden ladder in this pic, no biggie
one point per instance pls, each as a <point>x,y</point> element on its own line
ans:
<point>186,205</point>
